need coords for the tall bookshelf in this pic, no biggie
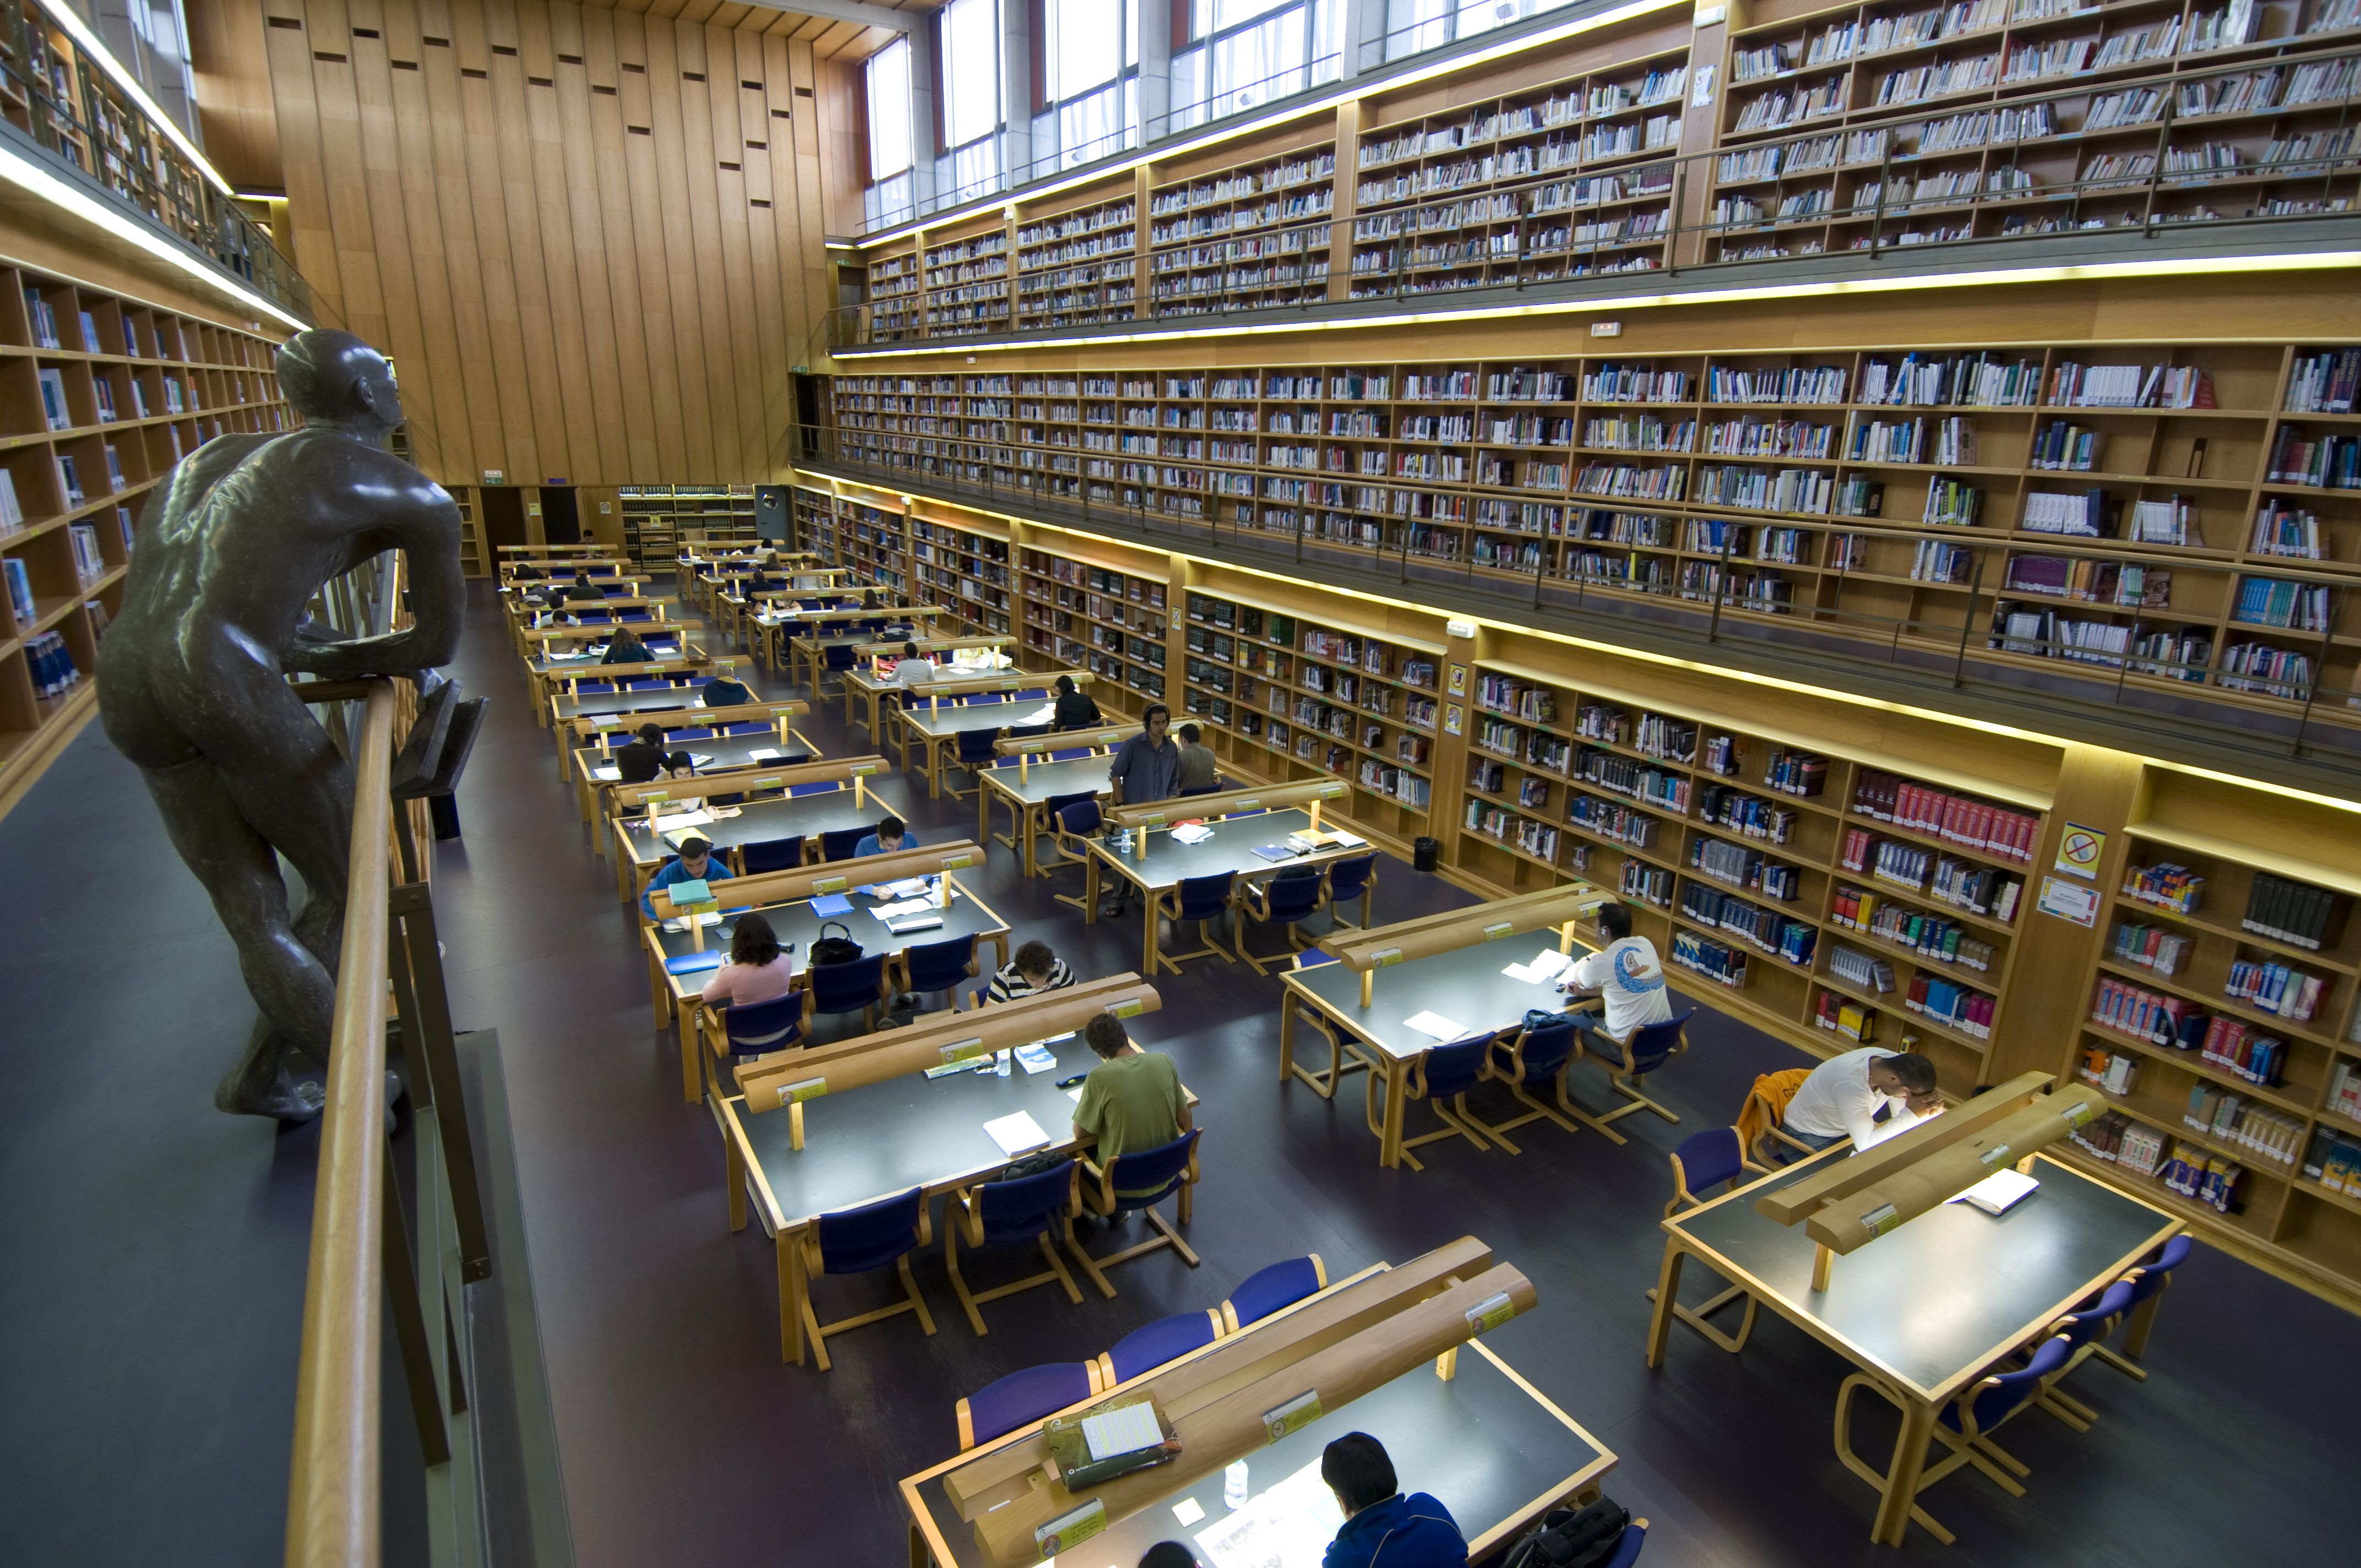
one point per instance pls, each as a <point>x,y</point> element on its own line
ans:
<point>660,520</point>
<point>1288,697</point>
<point>1560,180</point>
<point>2154,515</point>
<point>1250,237</point>
<point>1080,266</point>
<point>1081,614</point>
<point>966,282</point>
<point>101,394</point>
<point>897,295</point>
<point>965,572</point>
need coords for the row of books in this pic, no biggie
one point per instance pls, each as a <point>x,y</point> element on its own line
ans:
<point>2344,1090</point>
<point>1649,884</point>
<point>1789,937</point>
<point>2149,946</point>
<point>2148,1016</point>
<point>2166,886</point>
<point>2111,1071</point>
<point>1929,936</point>
<point>2206,1178</point>
<point>53,668</point>
<point>2293,912</point>
<point>1997,830</point>
<point>2234,1046</point>
<point>2227,1116</point>
<point>2270,986</point>
<point>1845,1018</point>
<point>1718,961</point>
<point>2334,1161</point>
<point>1951,1004</point>
<point>1794,772</point>
<point>1742,867</point>
<point>1863,972</point>
<point>2118,1139</point>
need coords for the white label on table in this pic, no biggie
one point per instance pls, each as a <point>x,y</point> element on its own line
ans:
<point>1435,1026</point>
<point>795,1093</point>
<point>1490,1312</point>
<point>1882,1219</point>
<point>964,1050</point>
<point>1293,1416</point>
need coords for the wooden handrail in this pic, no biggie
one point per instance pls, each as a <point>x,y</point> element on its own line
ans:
<point>333,1486</point>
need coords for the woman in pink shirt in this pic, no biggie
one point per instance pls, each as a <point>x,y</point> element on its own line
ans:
<point>757,969</point>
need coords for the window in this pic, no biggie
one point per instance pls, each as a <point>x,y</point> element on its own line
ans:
<point>1413,25</point>
<point>1250,52</point>
<point>969,46</point>
<point>1092,51</point>
<point>889,110</point>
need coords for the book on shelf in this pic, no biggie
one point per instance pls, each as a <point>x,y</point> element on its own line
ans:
<point>2207,1178</point>
<point>44,318</point>
<point>52,666</point>
<point>114,468</point>
<point>2111,1071</point>
<point>12,514</point>
<point>2149,946</point>
<point>20,591</point>
<point>98,618</point>
<point>90,332</point>
<point>2296,913</point>
<point>90,564</point>
<point>2334,1160</point>
<point>54,397</point>
<point>70,480</point>
<point>104,391</point>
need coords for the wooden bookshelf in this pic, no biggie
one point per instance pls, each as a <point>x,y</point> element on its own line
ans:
<point>967,279</point>
<point>659,519</point>
<point>965,572</point>
<point>1251,235</point>
<point>2156,514</point>
<point>1285,698</point>
<point>100,395</point>
<point>896,296</point>
<point>1561,181</point>
<point>1090,611</point>
<point>473,558</point>
<point>1077,266</point>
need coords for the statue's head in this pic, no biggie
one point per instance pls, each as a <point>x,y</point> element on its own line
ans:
<point>333,378</point>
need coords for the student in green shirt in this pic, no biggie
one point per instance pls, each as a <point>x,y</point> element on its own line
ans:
<point>1132,1100</point>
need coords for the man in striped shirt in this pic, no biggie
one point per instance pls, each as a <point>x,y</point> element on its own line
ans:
<point>1034,969</point>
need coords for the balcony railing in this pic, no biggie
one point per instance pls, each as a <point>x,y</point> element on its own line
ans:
<point>1980,176</point>
<point>55,97</point>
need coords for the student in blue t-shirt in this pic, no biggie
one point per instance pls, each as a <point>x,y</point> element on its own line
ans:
<point>695,862</point>
<point>888,840</point>
<point>1382,1529</point>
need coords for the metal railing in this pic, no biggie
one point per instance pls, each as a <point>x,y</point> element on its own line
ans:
<point>2311,718</point>
<point>111,145</point>
<point>361,1252</point>
<point>1846,190</point>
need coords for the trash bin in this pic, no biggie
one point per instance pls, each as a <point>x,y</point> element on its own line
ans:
<point>1426,853</point>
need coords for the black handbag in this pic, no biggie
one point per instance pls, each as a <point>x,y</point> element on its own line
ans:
<point>1569,1537</point>
<point>1036,1164</point>
<point>841,949</point>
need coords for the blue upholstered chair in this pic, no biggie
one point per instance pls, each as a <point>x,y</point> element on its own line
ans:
<point>1155,1344</point>
<point>1964,1426</point>
<point>855,1241</point>
<point>1214,788</point>
<point>651,684</point>
<point>771,855</point>
<point>1704,1161</point>
<point>2082,1329</point>
<point>1024,1397</point>
<point>1445,1074</point>
<point>837,843</point>
<point>1347,1052</point>
<point>1284,900</point>
<point>1627,1066</point>
<point>940,967</point>
<point>1205,899</point>
<point>1004,1213</point>
<point>858,986</point>
<point>1266,1291</point>
<point>975,754</point>
<point>2148,1283</point>
<point>835,658</point>
<point>1070,753</point>
<point>1626,1550</point>
<point>1139,1182</point>
<point>745,726</point>
<point>1025,732</point>
<point>741,1032</point>
<point>1348,880</point>
<point>1074,826</point>
<point>1527,1060</point>
<point>593,688</point>
<point>810,787</point>
<point>694,733</point>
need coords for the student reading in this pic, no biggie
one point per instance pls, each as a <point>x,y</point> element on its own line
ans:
<point>1074,709</point>
<point>886,841</point>
<point>625,648</point>
<point>1625,975</point>
<point>1034,969</point>
<point>724,691</point>
<point>1200,770</point>
<point>759,969</point>
<point>1867,1095</point>
<point>912,669</point>
<point>644,756</point>
<point>1382,1529</point>
<point>695,862</point>
<point>1132,1100</point>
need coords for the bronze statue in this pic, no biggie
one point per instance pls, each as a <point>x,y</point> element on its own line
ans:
<point>192,675</point>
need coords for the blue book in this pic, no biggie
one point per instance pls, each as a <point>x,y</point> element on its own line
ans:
<point>831,904</point>
<point>689,963</point>
<point>687,892</point>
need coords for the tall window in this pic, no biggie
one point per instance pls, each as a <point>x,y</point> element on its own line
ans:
<point>888,82</point>
<point>970,52</point>
<point>1092,50</point>
<point>1249,52</point>
<point>1413,26</point>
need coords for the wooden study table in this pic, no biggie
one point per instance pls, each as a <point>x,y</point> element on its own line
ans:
<point>1927,1308</point>
<point>1024,792</point>
<point>1488,1444</point>
<point>639,853</point>
<point>879,1140</point>
<point>567,552</point>
<point>585,723</point>
<point>865,685</point>
<point>778,635</point>
<point>769,748</point>
<point>935,730</point>
<point>1231,848</point>
<point>553,675</point>
<point>1464,985</point>
<point>675,995</point>
<point>633,610</point>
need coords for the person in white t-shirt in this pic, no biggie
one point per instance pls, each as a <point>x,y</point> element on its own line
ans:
<point>1625,975</point>
<point>1866,1095</point>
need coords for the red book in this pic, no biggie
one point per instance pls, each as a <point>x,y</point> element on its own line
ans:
<point>2028,833</point>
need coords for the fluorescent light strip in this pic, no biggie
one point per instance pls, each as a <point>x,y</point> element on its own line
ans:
<point>18,170</point>
<point>1723,672</point>
<point>1355,87</point>
<point>87,41</point>
<point>2287,262</point>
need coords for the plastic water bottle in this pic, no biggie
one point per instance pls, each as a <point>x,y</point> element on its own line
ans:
<point>1000,1065</point>
<point>1234,1486</point>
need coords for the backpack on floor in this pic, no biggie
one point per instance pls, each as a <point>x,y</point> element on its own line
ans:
<point>837,949</point>
<point>1570,1538</point>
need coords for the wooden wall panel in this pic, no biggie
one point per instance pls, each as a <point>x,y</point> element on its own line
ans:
<point>528,206</point>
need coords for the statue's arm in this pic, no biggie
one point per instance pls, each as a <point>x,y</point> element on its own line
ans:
<point>426,528</point>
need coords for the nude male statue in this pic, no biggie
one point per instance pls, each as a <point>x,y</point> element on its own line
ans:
<point>192,676</point>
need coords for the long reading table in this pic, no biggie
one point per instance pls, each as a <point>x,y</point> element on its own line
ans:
<point>639,853</point>
<point>1232,845</point>
<point>935,730</point>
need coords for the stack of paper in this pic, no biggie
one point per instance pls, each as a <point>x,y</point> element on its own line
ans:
<point>609,774</point>
<point>1540,969</point>
<point>1194,833</point>
<point>828,905</point>
<point>696,819</point>
<point>1435,1026</point>
<point>1017,1133</point>
<point>1125,1430</point>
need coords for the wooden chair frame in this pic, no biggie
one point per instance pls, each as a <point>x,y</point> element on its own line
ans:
<point>1699,1317</point>
<point>1166,905</point>
<point>1513,1080</point>
<point>1074,853</point>
<point>1099,1196</point>
<point>1623,1081</point>
<point>1368,895</point>
<point>1416,1088</point>
<point>1343,1056</point>
<point>912,1300</point>
<point>2142,1322</point>
<point>961,1217</point>
<point>1968,1446</point>
<point>1254,899</point>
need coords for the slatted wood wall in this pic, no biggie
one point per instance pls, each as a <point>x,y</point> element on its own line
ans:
<point>589,240</point>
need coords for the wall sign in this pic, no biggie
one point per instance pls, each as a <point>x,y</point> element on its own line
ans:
<point>2078,851</point>
<point>1458,680</point>
<point>492,477</point>
<point>2064,901</point>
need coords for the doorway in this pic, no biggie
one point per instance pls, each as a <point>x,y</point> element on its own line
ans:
<point>503,514</point>
<point>561,519</point>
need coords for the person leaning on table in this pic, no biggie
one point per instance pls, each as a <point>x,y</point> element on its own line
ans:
<point>1382,1529</point>
<point>1132,1100</point>
<point>1867,1095</point>
<point>695,862</point>
<point>1074,709</point>
<point>1034,970</point>
<point>1625,976</point>
<point>1147,768</point>
<point>759,969</point>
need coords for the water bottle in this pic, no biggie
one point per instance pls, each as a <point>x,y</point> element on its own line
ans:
<point>1234,1486</point>
<point>1000,1064</point>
